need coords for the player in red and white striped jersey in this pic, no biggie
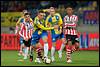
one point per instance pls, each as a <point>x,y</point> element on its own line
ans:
<point>26,32</point>
<point>70,32</point>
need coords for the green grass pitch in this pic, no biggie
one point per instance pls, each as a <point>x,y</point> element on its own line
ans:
<point>79,58</point>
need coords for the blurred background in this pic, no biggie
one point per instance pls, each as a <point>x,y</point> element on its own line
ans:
<point>87,11</point>
<point>88,28</point>
<point>88,21</point>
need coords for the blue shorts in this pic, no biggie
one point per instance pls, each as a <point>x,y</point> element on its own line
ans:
<point>36,37</point>
<point>21,40</point>
<point>55,37</point>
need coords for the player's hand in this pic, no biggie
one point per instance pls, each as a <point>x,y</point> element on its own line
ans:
<point>26,39</point>
<point>60,31</point>
<point>56,26</point>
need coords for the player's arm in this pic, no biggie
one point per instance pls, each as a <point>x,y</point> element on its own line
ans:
<point>17,25</point>
<point>60,23</point>
<point>42,27</point>
<point>47,22</point>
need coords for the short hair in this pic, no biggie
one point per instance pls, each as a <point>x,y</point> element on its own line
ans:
<point>69,6</point>
<point>26,14</point>
<point>41,11</point>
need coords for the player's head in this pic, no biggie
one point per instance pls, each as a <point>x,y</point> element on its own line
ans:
<point>41,14</point>
<point>27,16</point>
<point>69,10</point>
<point>52,11</point>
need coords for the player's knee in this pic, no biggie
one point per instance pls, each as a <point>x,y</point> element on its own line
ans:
<point>69,42</point>
<point>64,41</point>
<point>45,39</point>
<point>77,45</point>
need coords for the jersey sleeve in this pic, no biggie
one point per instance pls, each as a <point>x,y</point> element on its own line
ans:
<point>47,22</point>
<point>42,27</point>
<point>60,21</point>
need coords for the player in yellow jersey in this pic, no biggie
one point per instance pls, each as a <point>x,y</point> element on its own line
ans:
<point>54,19</point>
<point>40,32</point>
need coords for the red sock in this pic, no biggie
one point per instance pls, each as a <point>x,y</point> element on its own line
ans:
<point>73,48</point>
<point>68,52</point>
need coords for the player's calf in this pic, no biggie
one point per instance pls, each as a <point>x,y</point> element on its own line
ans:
<point>68,51</point>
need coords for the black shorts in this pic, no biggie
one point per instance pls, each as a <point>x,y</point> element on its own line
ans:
<point>27,43</point>
<point>73,38</point>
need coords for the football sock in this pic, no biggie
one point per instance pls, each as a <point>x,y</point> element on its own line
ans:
<point>52,51</point>
<point>62,47</point>
<point>38,51</point>
<point>68,52</point>
<point>45,49</point>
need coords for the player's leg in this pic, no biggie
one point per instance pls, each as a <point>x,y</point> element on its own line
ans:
<point>21,51</point>
<point>38,48</point>
<point>53,51</point>
<point>68,48</point>
<point>27,46</point>
<point>34,41</point>
<point>75,43</point>
<point>54,39</point>
<point>45,40</point>
<point>39,53</point>
<point>62,45</point>
<point>31,53</point>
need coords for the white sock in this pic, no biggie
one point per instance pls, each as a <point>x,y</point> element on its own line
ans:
<point>52,51</point>
<point>62,47</point>
<point>45,49</point>
<point>26,51</point>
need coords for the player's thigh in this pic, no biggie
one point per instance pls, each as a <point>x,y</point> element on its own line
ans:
<point>55,37</point>
<point>63,38</point>
<point>21,41</point>
<point>75,39</point>
<point>69,39</point>
<point>27,43</point>
<point>44,37</point>
<point>35,39</point>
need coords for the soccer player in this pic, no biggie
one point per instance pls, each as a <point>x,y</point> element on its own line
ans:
<point>70,23</point>
<point>20,20</point>
<point>26,32</point>
<point>40,32</point>
<point>54,19</point>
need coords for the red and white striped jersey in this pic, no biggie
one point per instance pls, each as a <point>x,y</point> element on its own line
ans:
<point>70,23</point>
<point>26,29</point>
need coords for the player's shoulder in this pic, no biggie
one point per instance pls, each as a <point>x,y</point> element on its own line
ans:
<point>36,18</point>
<point>58,14</point>
<point>74,15</point>
<point>48,16</point>
<point>31,19</point>
<point>21,19</point>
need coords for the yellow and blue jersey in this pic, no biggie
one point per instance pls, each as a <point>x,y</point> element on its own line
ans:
<point>40,25</point>
<point>54,20</point>
<point>40,30</point>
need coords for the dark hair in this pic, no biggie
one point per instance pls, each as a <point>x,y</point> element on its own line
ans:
<point>41,11</point>
<point>69,6</point>
<point>26,14</point>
